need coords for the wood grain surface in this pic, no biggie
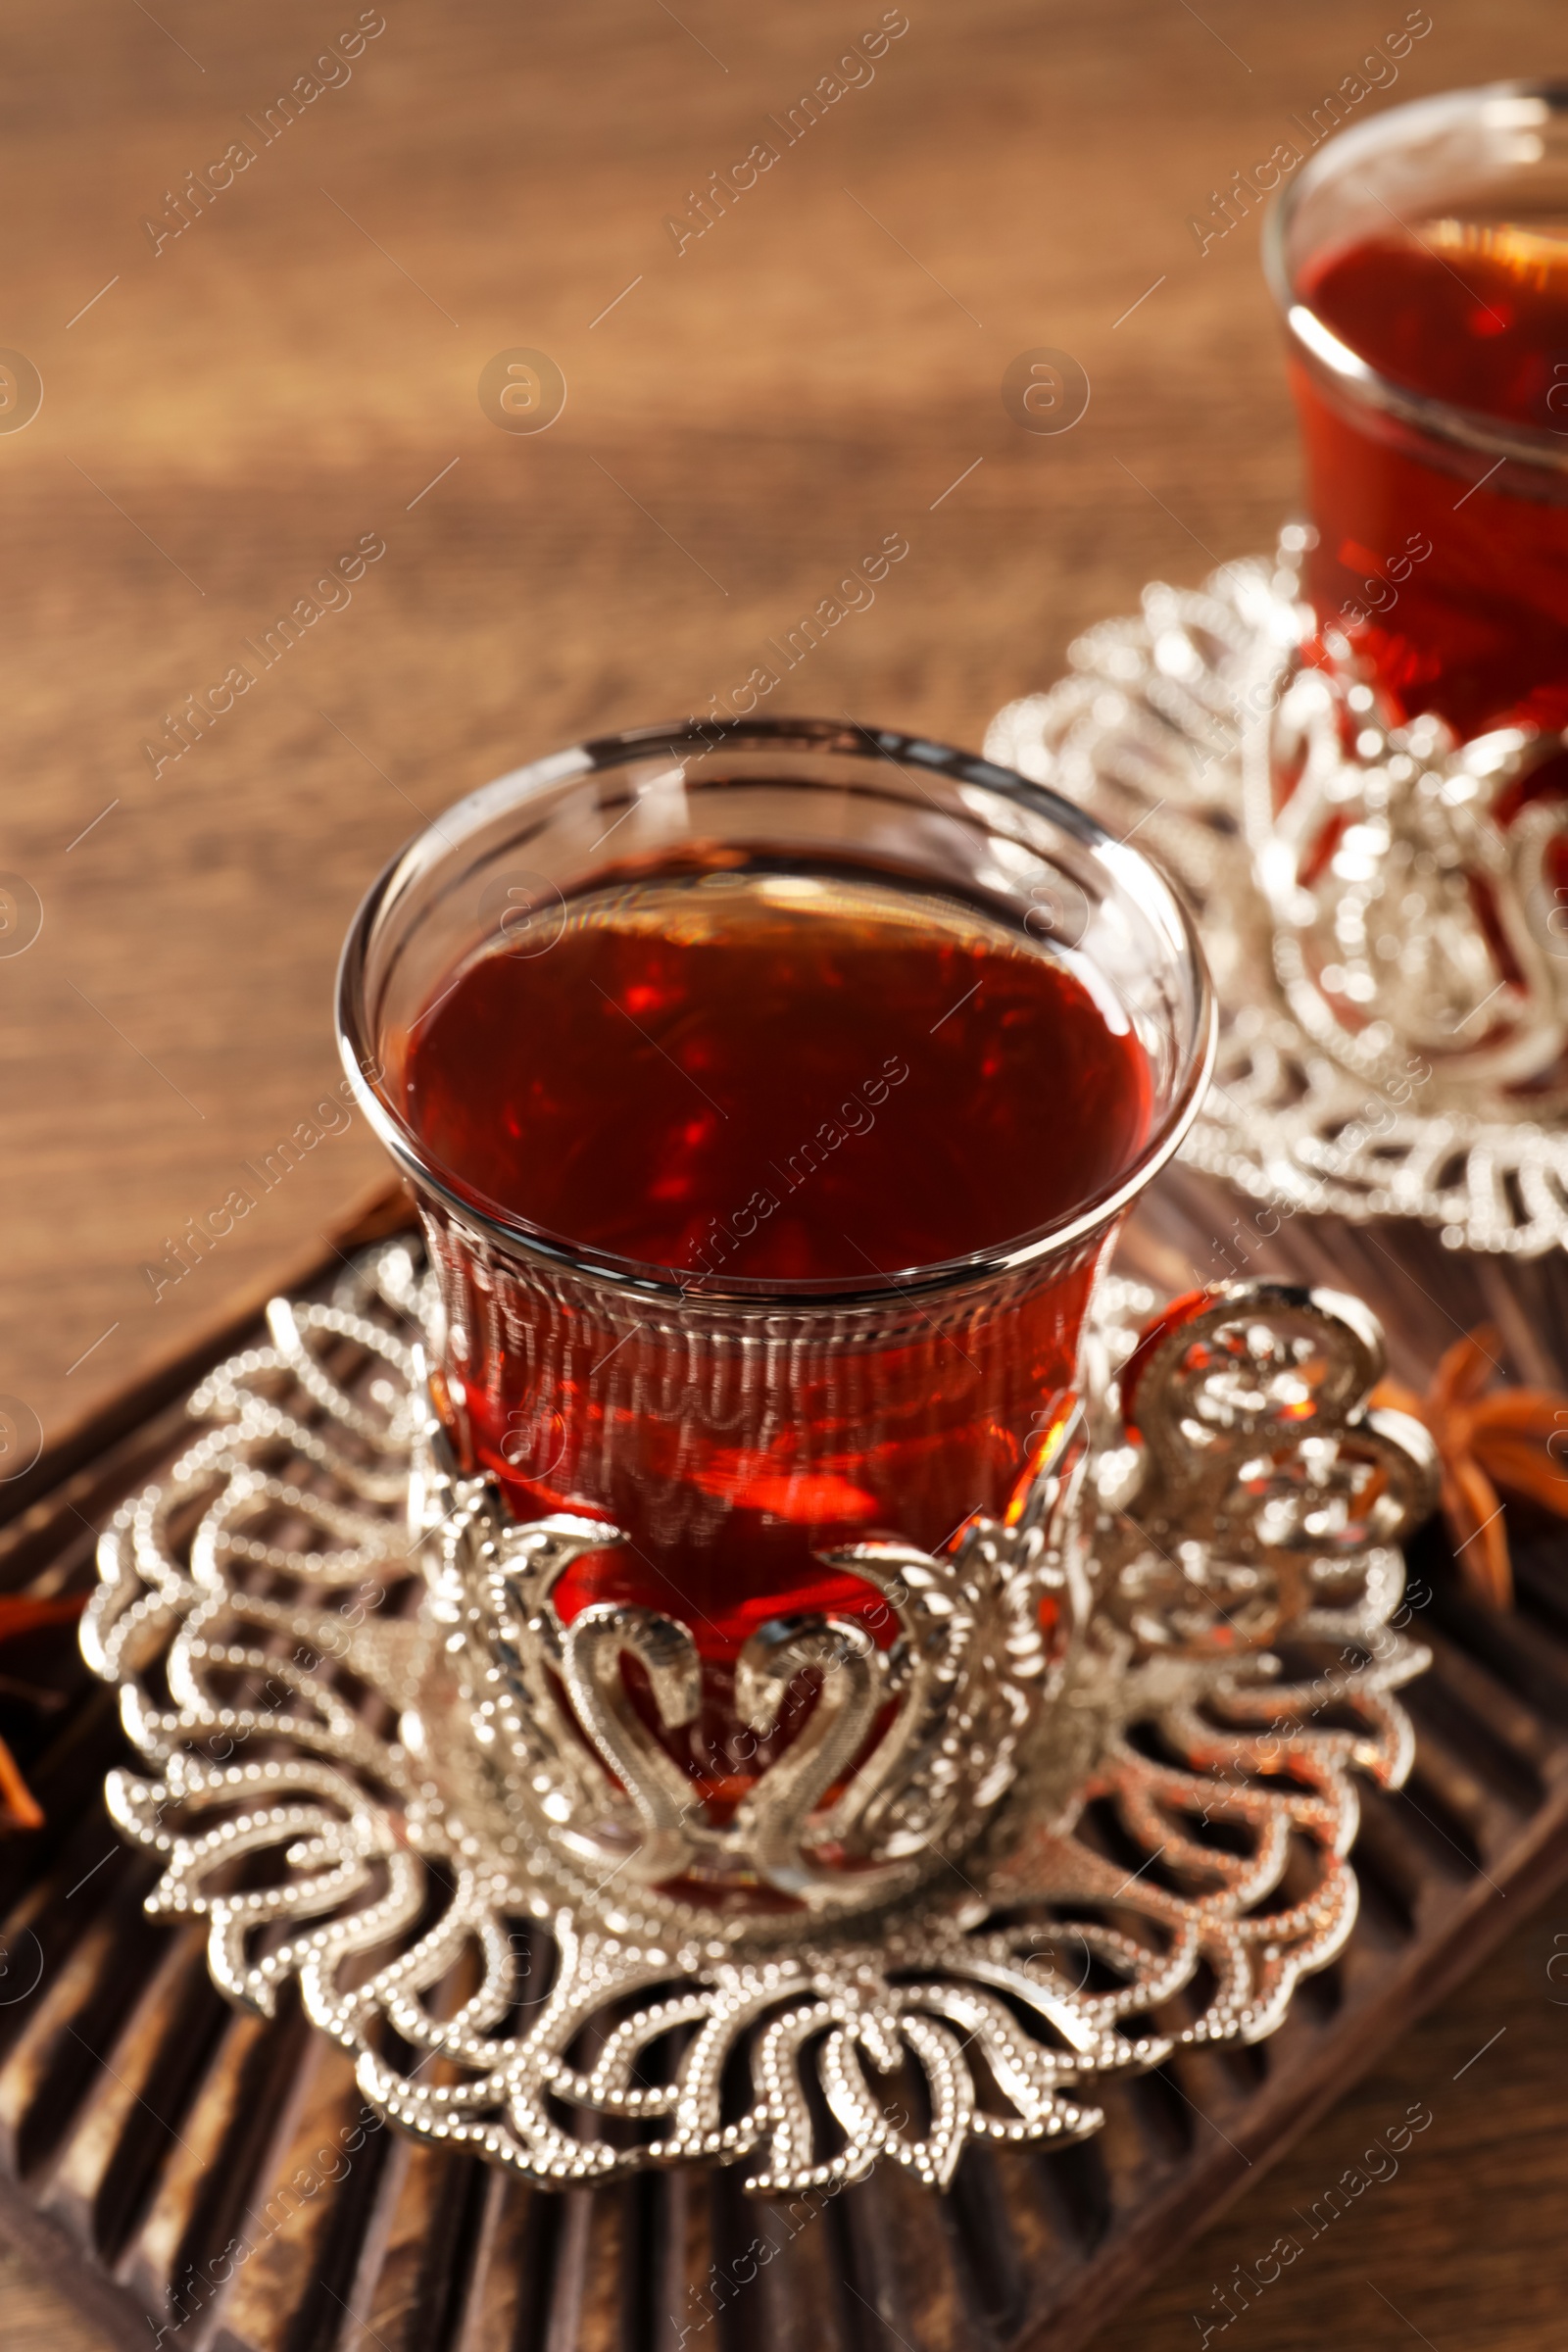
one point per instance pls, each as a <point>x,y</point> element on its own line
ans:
<point>1455,2241</point>
<point>297,372</point>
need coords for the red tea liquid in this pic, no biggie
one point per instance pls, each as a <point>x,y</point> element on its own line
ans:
<point>775,1078</point>
<point>1456,595</point>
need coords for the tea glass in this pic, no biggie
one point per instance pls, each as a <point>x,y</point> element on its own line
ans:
<point>1442,553</point>
<point>736,1431</point>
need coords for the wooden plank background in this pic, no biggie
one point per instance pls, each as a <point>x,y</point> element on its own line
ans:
<point>227,410</point>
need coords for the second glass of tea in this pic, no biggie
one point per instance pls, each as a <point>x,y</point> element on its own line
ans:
<point>1421,265</point>
<point>771,1094</point>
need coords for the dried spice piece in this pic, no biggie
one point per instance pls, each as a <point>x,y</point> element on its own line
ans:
<point>20,1614</point>
<point>1488,1438</point>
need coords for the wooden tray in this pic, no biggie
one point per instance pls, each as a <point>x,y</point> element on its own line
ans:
<point>145,2127</point>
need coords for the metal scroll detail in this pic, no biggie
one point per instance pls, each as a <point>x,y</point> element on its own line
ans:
<point>1386,910</point>
<point>272,1623</point>
<point>1262,1500</point>
<point>557,1748</point>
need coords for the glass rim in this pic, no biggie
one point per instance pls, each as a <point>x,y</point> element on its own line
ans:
<point>649,1282</point>
<point>1470,429</point>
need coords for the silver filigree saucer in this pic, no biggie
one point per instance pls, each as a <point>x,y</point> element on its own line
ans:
<point>1389,941</point>
<point>274,1611</point>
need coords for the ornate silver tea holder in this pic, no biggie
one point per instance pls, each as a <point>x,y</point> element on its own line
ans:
<point>1385,911</point>
<point>1093,1805</point>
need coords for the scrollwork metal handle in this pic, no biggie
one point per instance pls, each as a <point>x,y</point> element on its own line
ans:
<point>1263,1469</point>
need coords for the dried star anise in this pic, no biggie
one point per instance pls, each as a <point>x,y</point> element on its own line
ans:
<point>1488,1438</point>
<point>20,1614</point>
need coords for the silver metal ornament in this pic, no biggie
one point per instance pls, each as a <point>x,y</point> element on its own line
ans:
<point>1385,909</point>
<point>385,1767</point>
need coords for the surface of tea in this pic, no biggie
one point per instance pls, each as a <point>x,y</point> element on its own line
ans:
<point>778,1078</point>
<point>1447,572</point>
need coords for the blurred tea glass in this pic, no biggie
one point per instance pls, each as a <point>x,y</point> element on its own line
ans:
<point>1420,262</point>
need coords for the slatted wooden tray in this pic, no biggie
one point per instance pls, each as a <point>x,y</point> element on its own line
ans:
<point>145,2125</point>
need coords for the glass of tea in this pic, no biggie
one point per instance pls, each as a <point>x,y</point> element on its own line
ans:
<point>1421,263</point>
<point>769,1093</point>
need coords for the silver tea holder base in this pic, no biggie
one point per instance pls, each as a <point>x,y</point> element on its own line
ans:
<point>1388,938</point>
<point>296,1613</point>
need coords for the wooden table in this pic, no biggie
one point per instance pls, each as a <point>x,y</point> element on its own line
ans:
<point>232,404</point>
<point>1456,2243</point>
